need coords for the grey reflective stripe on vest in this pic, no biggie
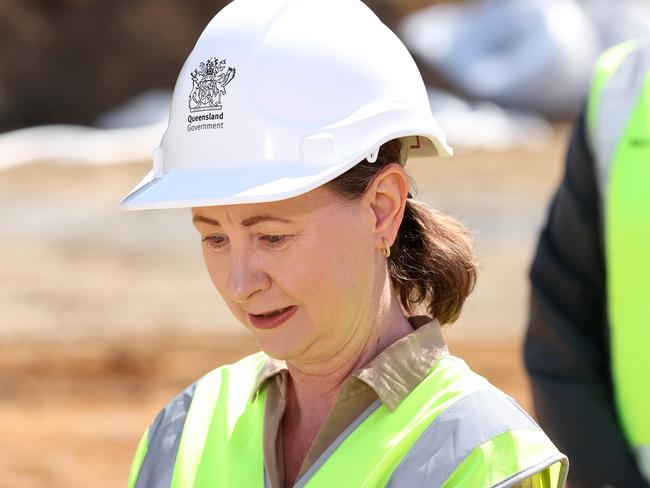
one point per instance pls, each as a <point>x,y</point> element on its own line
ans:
<point>164,437</point>
<point>304,479</point>
<point>617,101</point>
<point>642,455</point>
<point>454,434</point>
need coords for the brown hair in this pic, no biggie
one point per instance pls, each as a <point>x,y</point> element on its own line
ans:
<point>432,261</point>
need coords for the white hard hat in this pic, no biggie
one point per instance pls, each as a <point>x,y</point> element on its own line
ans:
<point>281,96</point>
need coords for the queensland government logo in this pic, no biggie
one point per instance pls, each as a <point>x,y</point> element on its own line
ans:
<point>209,82</point>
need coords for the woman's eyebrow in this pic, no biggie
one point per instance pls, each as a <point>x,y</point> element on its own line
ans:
<point>263,218</point>
<point>250,221</point>
<point>205,220</point>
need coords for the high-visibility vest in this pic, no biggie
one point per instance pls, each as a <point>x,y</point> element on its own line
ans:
<point>453,429</point>
<point>618,118</point>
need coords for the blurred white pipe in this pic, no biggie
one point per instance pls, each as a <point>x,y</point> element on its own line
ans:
<point>126,133</point>
<point>71,144</point>
<point>536,55</point>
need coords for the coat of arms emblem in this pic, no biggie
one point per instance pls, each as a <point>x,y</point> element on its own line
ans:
<point>209,82</point>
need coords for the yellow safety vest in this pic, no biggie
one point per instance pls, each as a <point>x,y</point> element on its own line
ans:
<point>454,429</point>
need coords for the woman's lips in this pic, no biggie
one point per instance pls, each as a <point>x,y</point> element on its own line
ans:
<point>270,321</point>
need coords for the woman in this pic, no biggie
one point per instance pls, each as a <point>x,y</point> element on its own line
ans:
<point>290,125</point>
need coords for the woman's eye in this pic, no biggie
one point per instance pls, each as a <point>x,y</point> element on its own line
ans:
<point>217,241</point>
<point>274,240</point>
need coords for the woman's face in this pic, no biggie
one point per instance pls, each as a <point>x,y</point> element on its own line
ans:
<point>301,274</point>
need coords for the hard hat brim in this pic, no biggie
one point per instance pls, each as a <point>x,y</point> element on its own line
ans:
<point>256,184</point>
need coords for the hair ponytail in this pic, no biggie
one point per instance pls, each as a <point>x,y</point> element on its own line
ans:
<point>432,262</point>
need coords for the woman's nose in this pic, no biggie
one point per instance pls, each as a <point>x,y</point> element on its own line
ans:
<point>246,277</point>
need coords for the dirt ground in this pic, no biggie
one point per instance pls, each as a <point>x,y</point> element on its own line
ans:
<point>105,315</point>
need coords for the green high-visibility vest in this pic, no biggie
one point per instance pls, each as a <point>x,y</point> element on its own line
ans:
<point>454,429</point>
<point>618,118</point>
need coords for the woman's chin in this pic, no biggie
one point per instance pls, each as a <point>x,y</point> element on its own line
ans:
<point>276,343</point>
<point>282,344</point>
<point>281,352</point>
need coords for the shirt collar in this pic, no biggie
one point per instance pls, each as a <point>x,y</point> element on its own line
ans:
<point>396,371</point>
<point>399,368</point>
<point>270,368</point>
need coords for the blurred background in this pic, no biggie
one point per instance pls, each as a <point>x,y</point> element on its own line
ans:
<point>105,315</point>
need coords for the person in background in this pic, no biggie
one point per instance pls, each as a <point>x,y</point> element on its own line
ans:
<point>290,126</point>
<point>587,348</point>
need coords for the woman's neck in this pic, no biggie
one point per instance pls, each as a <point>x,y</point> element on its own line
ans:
<point>314,388</point>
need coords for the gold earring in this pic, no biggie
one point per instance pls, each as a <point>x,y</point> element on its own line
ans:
<point>386,249</point>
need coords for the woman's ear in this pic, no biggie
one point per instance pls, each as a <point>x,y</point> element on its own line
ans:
<point>387,199</point>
